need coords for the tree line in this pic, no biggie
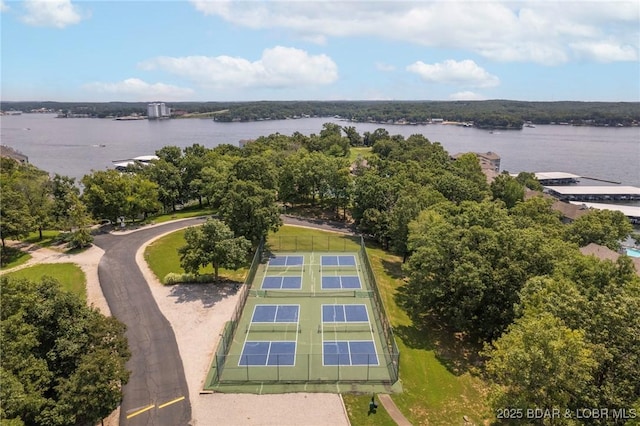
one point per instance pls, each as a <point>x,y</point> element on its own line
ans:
<point>504,114</point>
<point>555,328</point>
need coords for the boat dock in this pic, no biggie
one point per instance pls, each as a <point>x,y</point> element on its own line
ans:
<point>556,178</point>
<point>594,193</point>
<point>631,212</point>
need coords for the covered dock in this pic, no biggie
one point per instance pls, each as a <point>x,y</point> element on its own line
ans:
<point>556,178</point>
<point>632,212</point>
<point>594,193</point>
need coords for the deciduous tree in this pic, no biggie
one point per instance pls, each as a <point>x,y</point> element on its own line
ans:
<point>214,244</point>
<point>250,211</point>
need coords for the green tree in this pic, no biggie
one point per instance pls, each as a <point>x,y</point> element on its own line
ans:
<point>507,189</point>
<point>63,362</point>
<point>257,168</point>
<point>34,184</point>
<point>68,211</point>
<point>193,162</point>
<point>352,134</point>
<point>15,220</point>
<point>540,363</point>
<point>604,227</point>
<point>213,243</point>
<point>168,177</point>
<point>530,181</point>
<point>469,263</point>
<point>111,194</point>
<point>601,298</point>
<point>250,211</point>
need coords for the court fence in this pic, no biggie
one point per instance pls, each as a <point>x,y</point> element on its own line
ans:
<point>308,368</point>
<point>229,330</point>
<point>228,368</point>
<point>331,243</point>
<point>387,331</point>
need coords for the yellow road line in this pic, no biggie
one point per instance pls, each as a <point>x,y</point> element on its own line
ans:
<point>141,411</point>
<point>171,402</point>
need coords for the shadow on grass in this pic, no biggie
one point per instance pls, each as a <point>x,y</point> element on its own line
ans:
<point>10,256</point>
<point>454,350</point>
<point>207,294</point>
<point>393,269</point>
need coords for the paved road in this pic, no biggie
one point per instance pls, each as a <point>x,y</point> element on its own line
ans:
<point>157,392</point>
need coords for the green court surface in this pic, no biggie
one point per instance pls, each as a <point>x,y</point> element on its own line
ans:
<point>307,321</point>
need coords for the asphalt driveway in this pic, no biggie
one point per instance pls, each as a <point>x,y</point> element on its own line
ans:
<point>157,392</point>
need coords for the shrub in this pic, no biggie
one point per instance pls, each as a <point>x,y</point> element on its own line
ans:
<point>173,278</point>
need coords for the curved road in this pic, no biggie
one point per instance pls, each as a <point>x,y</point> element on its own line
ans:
<point>157,392</point>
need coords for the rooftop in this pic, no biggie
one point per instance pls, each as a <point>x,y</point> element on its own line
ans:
<point>555,175</point>
<point>595,190</point>
<point>632,211</point>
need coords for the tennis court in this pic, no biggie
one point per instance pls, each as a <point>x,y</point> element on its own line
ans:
<point>307,321</point>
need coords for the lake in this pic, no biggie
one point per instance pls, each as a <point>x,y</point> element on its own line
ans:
<point>75,146</point>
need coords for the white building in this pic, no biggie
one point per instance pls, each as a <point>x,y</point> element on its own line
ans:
<point>158,110</point>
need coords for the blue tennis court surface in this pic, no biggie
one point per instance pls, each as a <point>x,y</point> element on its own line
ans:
<point>340,281</point>
<point>338,260</point>
<point>286,261</point>
<point>275,313</point>
<point>344,313</point>
<point>282,283</point>
<point>350,352</point>
<point>268,353</point>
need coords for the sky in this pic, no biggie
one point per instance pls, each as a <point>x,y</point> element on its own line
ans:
<point>216,50</point>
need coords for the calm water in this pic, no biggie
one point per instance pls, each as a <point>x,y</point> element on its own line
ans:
<point>72,146</point>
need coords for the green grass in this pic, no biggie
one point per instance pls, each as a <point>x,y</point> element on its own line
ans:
<point>363,152</point>
<point>69,275</point>
<point>358,411</point>
<point>194,211</point>
<point>48,238</point>
<point>162,257</point>
<point>12,257</point>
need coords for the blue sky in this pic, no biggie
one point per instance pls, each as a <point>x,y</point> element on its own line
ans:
<point>216,50</point>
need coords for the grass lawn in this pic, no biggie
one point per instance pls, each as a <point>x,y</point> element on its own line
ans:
<point>438,389</point>
<point>181,214</point>
<point>363,152</point>
<point>358,411</point>
<point>162,257</point>
<point>48,238</point>
<point>12,257</point>
<point>69,275</point>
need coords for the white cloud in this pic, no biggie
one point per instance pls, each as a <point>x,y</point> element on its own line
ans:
<point>3,6</point>
<point>51,13</point>
<point>136,89</point>
<point>605,51</point>
<point>466,96</point>
<point>381,66</point>
<point>279,67</point>
<point>543,32</point>
<point>458,73</point>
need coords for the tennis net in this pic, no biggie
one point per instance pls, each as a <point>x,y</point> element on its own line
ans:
<point>332,327</point>
<point>320,293</point>
<point>273,328</point>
